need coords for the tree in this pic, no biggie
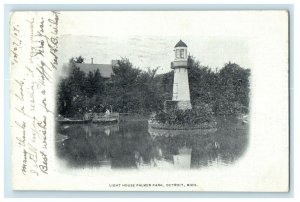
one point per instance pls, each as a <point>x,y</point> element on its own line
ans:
<point>202,82</point>
<point>94,84</point>
<point>124,87</point>
<point>233,88</point>
<point>150,95</point>
<point>72,91</point>
<point>124,75</point>
<point>79,59</point>
<point>64,98</point>
<point>227,91</point>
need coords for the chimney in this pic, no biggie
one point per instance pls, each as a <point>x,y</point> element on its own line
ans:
<point>92,60</point>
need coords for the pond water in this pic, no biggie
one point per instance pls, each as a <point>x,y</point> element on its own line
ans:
<point>133,145</point>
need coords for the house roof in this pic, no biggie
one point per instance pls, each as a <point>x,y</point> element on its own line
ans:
<point>180,44</point>
<point>105,69</point>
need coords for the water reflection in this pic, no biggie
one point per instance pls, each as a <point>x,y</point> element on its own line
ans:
<point>133,145</point>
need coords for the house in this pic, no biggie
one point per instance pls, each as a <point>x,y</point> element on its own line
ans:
<point>106,70</point>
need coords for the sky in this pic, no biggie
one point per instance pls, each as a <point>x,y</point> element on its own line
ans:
<point>147,39</point>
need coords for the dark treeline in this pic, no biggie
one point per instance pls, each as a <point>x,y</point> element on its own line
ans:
<point>131,90</point>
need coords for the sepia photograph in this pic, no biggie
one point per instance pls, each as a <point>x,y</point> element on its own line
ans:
<point>150,100</point>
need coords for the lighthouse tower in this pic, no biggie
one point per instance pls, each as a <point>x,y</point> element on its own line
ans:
<point>181,90</point>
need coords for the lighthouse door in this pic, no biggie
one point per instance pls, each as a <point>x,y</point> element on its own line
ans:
<point>175,91</point>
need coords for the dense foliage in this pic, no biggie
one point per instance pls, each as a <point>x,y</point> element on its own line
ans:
<point>202,113</point>
<point>131,90</point>
<point>226,90</point>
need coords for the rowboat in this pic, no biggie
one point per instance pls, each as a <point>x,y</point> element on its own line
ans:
<point>105,120</point>
<point>73,121</point>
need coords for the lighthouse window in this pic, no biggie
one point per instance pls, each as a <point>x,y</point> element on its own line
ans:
<point>177,54</point>
<point>181,53</point>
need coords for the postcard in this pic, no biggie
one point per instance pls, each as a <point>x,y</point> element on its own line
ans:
<point>150,100</point>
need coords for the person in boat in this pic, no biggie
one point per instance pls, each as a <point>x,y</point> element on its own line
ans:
<point>86,116</point>
<point>107,113</point>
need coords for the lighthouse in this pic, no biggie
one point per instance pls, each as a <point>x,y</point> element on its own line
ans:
<point>181,89</point>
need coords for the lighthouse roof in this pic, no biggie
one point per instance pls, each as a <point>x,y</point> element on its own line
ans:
<point>180,44</point>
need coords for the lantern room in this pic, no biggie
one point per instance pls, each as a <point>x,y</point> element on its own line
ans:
<point>180,51</point>
<point>180,60</point>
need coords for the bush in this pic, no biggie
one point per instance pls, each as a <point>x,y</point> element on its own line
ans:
<point>201,113</point>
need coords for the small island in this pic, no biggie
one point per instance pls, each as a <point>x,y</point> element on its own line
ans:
<point>178,113</point>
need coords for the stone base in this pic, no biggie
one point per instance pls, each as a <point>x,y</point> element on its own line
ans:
<point>184,105</point>
<point>174,104</point>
